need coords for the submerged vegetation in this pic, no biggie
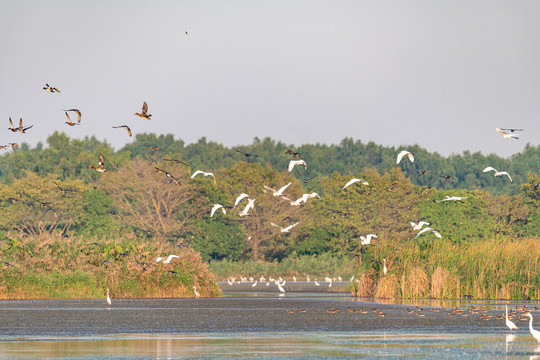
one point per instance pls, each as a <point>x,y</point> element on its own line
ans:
<point>53,207</point>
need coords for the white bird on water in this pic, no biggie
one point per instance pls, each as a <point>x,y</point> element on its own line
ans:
<point>277,192</point>
<point>108,298</point>
<point>534,333</point>
<point>367,239</point>
<point>402,154</point>
<point>354,180</point>
<point>497,173</point>
<point>509,322</point>
<point>204,173</point>
<point>215,208</point>
<point>437,234</point>
<point>284,229</point>
<point>418,226</point>
<point>293,163</point>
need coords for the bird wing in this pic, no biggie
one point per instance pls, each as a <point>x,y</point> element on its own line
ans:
<point>269,188</point>
<point>276,225</point>
<point>69,119</point>
<point>505,173</point>
<point>144,107</point>
<point>400,156</point>
<point>501,131</point>
<point>290,227</point>
<point>292,163</point>
<point>128,129</point>
<point>411,157</point>
<point>282,189</point>
<point>78,115</point>
<point>352,181</point>
<point>369,236</point>
<point>423,231</point>
<point>214,209</point>
<point>422,223</point>
<point>437,234</point>
<point>171,257</point>
<point>197,173</point>
<point>489,168</point>
<point>20,123</point>
<point>101,160</point>
<point>239,198</point>
<point>11,123</point>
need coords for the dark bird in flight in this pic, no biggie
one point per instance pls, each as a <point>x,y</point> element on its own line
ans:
<point>7,264</point>
<point>78,114</point>
<point>14,145</point>
<point>294,154</point>
<point>62,189</point>
<point>177,161</point>
<point>172,272</point>
<point>170,178</point>
<point>513,130</point>
<point>245,154</point>
<point>125,127</point>
<point>182,244</point>
<point>105,262</point>
<point>50,88</point>
<point>144,112</point>
<point>154,148</point>
<point>69,122</point>
<point>305,180</point>
<point>101,165</point>
<point>423,172</point>
<point>95,244</point>
<point>448,177</point>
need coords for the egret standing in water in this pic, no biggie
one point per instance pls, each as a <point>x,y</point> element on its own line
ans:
<point>534,333</point>
<point>108,298</point>
<point>509,322</point>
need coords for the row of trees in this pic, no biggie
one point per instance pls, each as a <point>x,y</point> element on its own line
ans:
<point>70,158</point>
<point>52,190</point>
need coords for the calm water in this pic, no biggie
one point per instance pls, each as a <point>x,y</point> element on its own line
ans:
<point>255,325</point>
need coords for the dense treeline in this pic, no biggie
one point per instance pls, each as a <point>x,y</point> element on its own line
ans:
<point>51,192</point>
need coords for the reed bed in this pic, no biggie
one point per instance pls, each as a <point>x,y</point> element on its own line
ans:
<point>52,266</point>
<point>505,268</point>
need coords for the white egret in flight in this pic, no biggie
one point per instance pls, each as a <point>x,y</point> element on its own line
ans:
<point>402,154</point>
<point>497,173</point>
<point>204,173</point>
<point>286,229</point>
<point>293,163</point>
<point>354,180</point>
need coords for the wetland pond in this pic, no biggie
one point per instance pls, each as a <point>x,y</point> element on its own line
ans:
<point>245,323</point>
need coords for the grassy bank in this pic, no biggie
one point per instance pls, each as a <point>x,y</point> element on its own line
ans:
<point>494,269</point>
<point>50,266</point>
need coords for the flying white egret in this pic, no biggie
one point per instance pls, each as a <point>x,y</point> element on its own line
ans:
<point>239,198</point>
<point>506,135</point>
<point>418,226</point>
<point>402,154</point>
<point>286,229</point>
<point>354,180</point>
<point>168,260</point>
<point>453,198</point>
<point>509,322</point>
<point>534,333</point>
<point>293,163</point>
<point>204,173</point>
<point>437,234</point>
<point>305,197</point>
<point>497,173</point>
<point>215,208</point>
<point>278,192</point>
<point>250,205</point>
<point>367,239</point>
<point>197,295</point>
<point>108,298</point>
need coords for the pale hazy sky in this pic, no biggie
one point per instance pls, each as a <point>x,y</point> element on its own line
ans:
<point>443,74</point>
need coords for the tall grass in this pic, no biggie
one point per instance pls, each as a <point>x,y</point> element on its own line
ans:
<point>51,266</point>
<point>493,269</point>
